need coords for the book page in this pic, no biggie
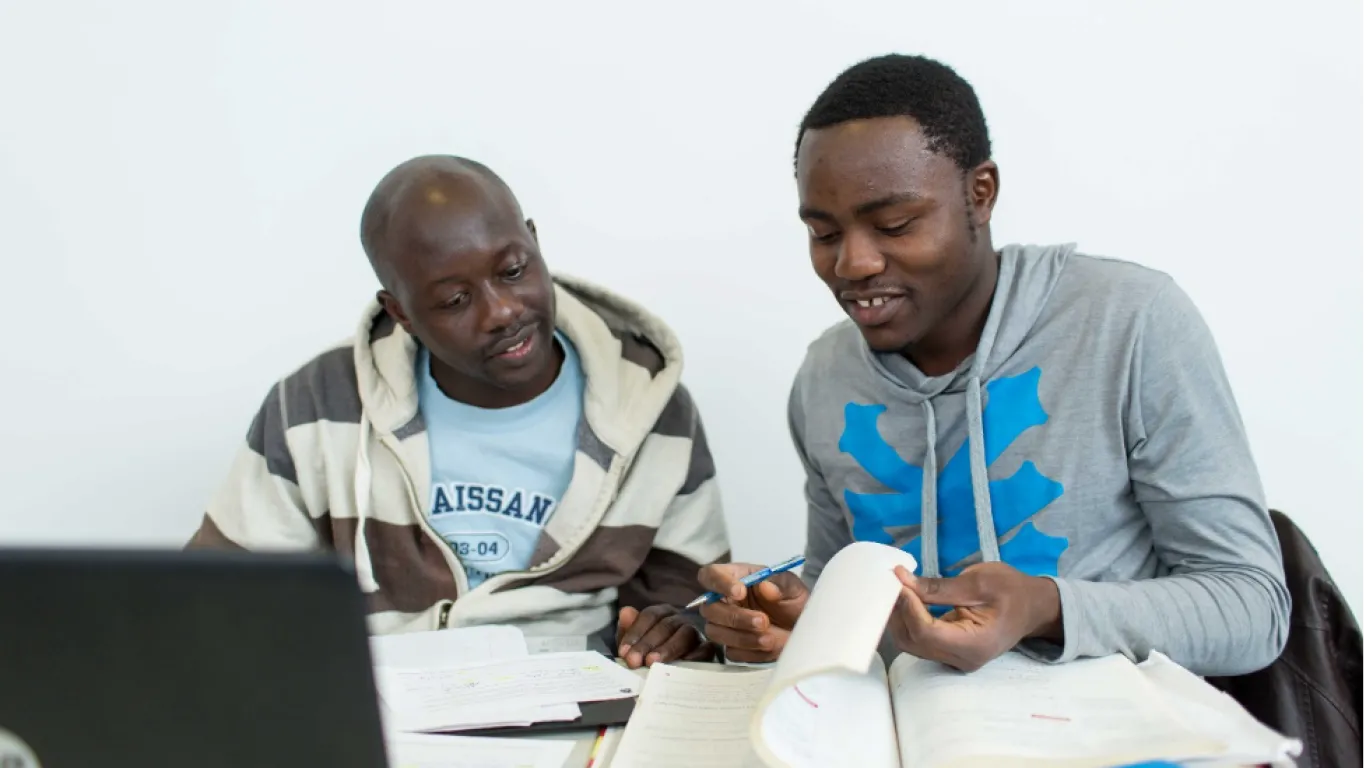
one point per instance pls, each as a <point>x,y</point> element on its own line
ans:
<point>828,697</point>
<point>1213,712</point>
<point>1020,712</point>
<point>690,717</point>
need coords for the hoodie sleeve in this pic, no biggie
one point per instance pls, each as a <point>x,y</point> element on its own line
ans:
<point>1222,607</point>
<point>827,531</point>
<point>260,506</point>
<point>693,530</point>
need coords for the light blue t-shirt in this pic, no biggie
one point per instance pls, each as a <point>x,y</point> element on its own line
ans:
<point>498,474</point>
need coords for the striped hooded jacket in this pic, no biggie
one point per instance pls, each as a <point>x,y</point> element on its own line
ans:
<point>337,457</point>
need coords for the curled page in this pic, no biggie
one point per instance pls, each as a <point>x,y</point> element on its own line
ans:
<point>827,701</point>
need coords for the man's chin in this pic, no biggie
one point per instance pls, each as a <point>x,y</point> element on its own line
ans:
<point>535,367</point>
<point>884,340</point>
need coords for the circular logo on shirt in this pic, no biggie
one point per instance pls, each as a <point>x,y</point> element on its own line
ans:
<point>14,753</point>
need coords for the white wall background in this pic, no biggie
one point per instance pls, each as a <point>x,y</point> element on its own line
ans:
<point>180,185</point>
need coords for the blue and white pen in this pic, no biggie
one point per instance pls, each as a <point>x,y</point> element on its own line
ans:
<point>750,580</point>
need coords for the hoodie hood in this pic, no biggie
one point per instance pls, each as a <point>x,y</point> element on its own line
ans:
<point>632,363</point>
<point>1025,280</point>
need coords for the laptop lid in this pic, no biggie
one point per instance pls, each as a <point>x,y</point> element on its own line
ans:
<point>184,658</point>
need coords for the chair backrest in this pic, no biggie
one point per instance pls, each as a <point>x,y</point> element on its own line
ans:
<point>1313,690</point>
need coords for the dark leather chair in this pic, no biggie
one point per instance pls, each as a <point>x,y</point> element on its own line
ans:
<point>1313,690</point>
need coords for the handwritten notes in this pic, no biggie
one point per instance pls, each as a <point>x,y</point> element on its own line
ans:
<point>448,698</point>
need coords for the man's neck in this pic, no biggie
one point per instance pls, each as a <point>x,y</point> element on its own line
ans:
<point>957,336</point>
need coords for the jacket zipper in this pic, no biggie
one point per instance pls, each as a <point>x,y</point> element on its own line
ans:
<point>606,492</point>
<point>462,583</point>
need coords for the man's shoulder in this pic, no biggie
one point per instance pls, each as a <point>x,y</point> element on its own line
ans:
<point>1102,278</point>
<point>324,388</point>
<point>830,357</point>
<point>831,348</point>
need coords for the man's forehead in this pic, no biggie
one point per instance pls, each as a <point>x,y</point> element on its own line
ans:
<point>869,157</point>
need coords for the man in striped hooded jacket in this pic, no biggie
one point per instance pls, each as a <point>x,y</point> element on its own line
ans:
<point>494,445</point>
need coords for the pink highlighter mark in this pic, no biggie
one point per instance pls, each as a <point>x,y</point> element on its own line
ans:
<point>1052,717</point>
<point>813,704</point>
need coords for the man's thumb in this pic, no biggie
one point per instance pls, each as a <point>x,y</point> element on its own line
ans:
<point>950,591</point>
<point>626,617</point>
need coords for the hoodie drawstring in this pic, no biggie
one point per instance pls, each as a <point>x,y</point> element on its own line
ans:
<point>977,462</point>
<point>365,570</point>
<point>929,499</point>
<point>981,490</point>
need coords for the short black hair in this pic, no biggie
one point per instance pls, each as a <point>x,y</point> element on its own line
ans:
<point>897,85</point>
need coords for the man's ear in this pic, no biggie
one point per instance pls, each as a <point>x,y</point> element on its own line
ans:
<point>394,309</point>
<point>984,186</point>
<point>531,225</point>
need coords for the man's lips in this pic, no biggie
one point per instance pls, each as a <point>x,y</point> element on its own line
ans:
<point>516,346</point>
<point>872,308</point>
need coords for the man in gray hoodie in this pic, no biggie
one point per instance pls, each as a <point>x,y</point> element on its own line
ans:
<point>1050,434</point>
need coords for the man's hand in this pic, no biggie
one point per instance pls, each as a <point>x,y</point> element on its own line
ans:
<point>752,624</point>
<point>658,633</point>
<point>994,608</point>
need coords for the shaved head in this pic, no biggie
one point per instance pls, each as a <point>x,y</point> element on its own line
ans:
<point>433,180</point>
<point>461,271</point>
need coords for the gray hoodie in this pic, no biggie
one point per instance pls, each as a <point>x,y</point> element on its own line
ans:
<point>1092,438</point>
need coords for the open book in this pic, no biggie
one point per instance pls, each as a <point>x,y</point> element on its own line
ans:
<point>830,701</point>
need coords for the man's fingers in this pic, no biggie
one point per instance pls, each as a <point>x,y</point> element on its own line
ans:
<point>740,654</point>
<point>910,622</point>
<point>960,590</point>
<point>643,623</point>
<point>734,616</point>
<point>917,614</point>
<point>625,618</point>
<point>703,651</point>
<point>683,640</point>
<point>735,638</point>
<point>724,578</point>
<point>651,640</point>
<point>784,586</point>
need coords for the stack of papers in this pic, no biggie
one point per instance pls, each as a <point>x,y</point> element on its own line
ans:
<point>462,679</point>
<point>408,750</point>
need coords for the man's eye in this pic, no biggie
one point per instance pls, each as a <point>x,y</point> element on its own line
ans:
<point>455,301</point>
<point>898,228</point>
<point>824,238</point>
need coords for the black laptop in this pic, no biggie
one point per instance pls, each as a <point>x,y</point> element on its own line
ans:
<point>183,659</point>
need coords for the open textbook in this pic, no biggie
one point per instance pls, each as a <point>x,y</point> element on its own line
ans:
<point>830,701</point>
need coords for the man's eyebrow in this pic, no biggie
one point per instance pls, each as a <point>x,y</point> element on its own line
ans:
<point>807,212</point>
<point>883,202</point>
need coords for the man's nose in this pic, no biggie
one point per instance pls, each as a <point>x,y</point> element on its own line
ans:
<point>859,258</point>
<point>501,308</point>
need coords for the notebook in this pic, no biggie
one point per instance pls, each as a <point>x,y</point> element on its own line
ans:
<point>830,701</point>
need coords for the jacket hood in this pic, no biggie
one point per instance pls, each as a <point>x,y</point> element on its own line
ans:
<point>1024,281</point>
<point>614,337</point>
